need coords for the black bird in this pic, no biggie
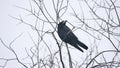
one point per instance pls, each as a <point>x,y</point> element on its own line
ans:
<point>68,36</point>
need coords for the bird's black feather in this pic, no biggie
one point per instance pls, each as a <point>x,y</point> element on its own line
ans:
<point>68,36</point>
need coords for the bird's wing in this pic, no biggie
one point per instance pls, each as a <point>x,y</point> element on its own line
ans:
<point>70,34</point>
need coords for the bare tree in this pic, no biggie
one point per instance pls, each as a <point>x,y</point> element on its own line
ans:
<point>105,17</point>
<point>103,23</point>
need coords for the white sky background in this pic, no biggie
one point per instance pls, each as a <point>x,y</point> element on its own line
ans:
<point>10,29</point>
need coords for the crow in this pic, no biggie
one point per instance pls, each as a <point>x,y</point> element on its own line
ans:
<point>69,37</point>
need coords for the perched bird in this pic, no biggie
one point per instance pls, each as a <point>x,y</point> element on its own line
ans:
<point>68,36</point>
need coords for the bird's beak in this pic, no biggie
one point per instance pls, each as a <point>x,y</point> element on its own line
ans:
<point>65,22</point>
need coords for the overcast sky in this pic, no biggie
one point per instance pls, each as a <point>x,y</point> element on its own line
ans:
<point>10,29</point>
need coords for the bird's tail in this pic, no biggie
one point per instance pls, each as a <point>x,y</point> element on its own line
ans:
<point>82,45</point>
<point>76,46</point>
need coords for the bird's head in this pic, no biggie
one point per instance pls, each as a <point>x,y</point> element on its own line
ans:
<point>62,22</point>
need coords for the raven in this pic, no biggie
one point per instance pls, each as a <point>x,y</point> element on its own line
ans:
<point>68,36</point>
